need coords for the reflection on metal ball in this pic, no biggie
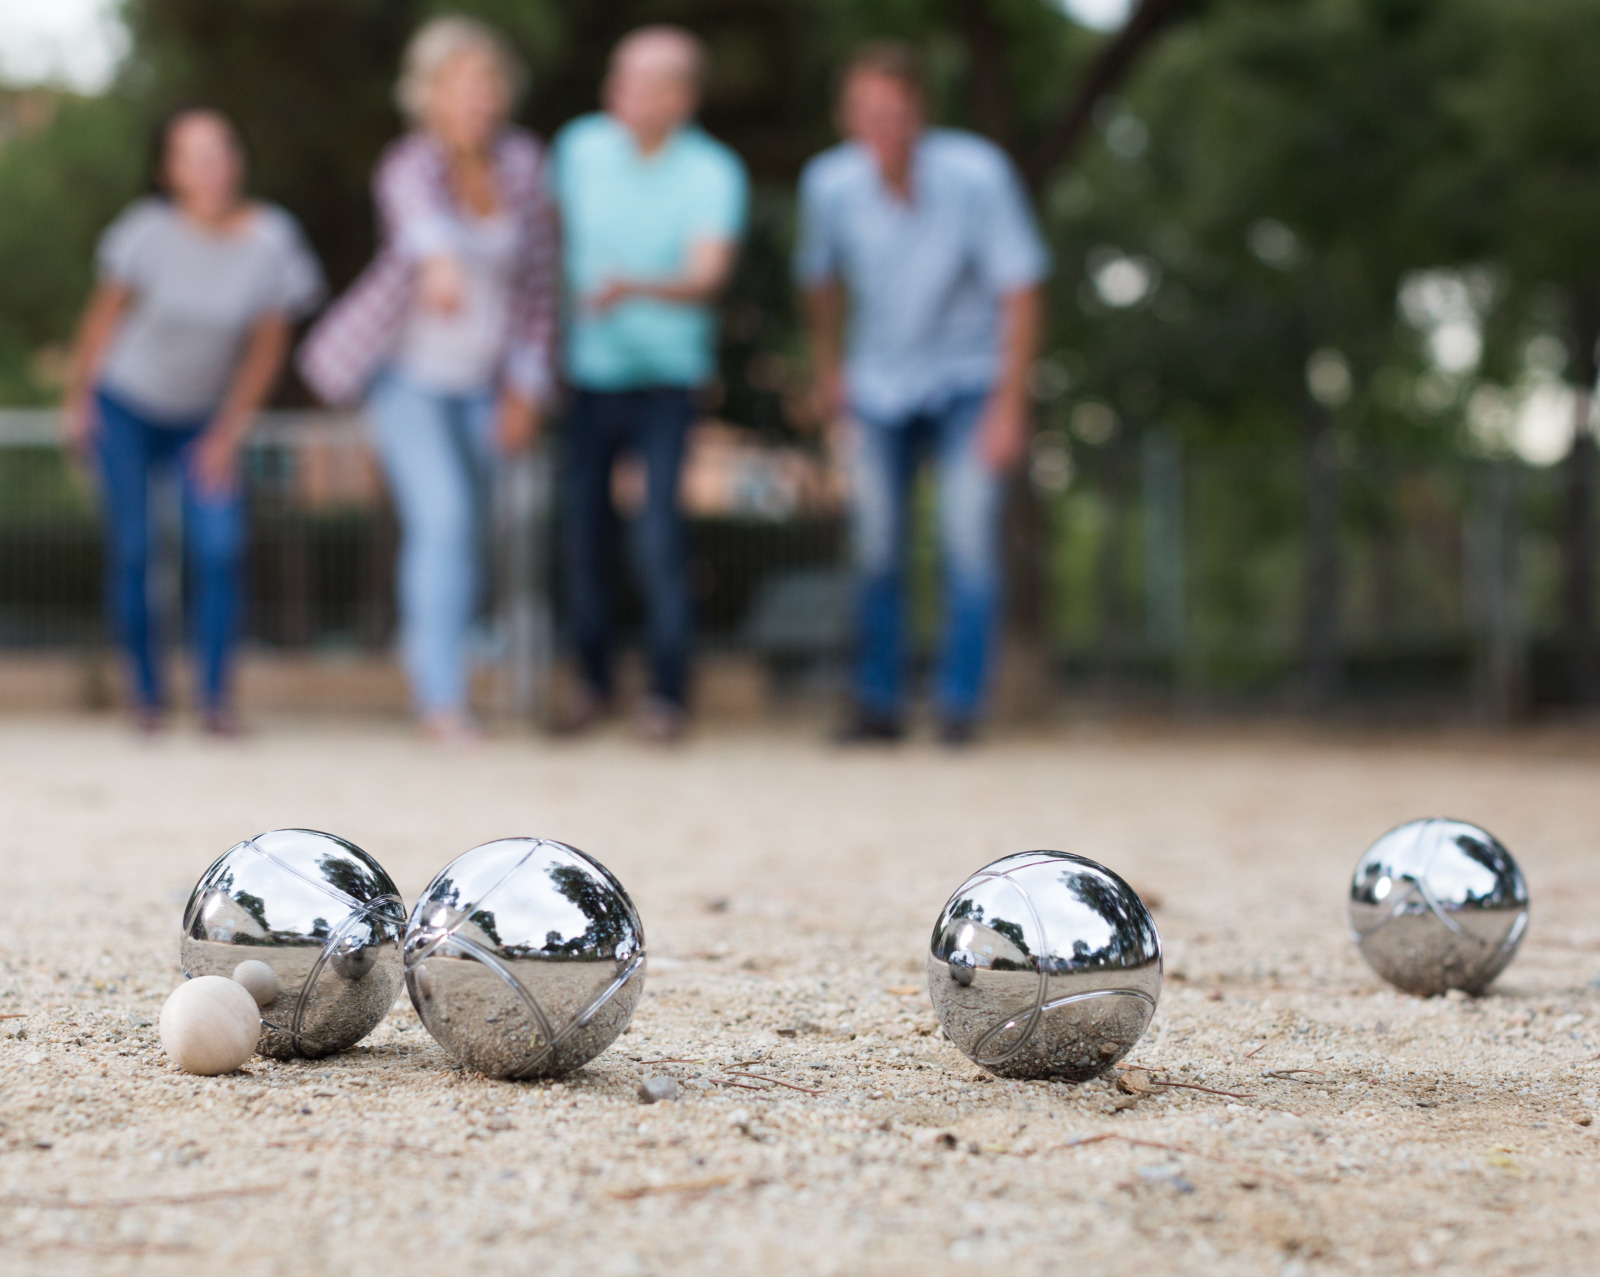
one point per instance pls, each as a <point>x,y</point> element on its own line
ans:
<point>323,915</point>
<point>525,958</point>
<point>1045,965</point>
<point>1438,904</point>
<point>962,965</point>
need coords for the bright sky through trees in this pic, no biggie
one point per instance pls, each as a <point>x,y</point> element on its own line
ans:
<point>76,43</point>
<point>1102,14</point>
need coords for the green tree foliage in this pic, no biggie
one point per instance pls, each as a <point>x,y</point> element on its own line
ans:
<point>60,182</point>
<point>309,82</point>
<point>1283,167</point>
<point>1534,113</point>
<point>1257,198</point>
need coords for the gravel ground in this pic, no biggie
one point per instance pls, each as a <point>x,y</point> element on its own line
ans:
<point>787,892</point>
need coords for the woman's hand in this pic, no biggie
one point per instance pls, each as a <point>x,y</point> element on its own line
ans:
<point>442,284</point>
<point>517,424</point>
<point>216,459</point>
<point>216,452</point>
<point>79,420</point>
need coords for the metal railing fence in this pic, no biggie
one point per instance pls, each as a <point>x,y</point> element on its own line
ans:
<point>1165,573</point>
<point>322,543</point>
<point>1185,574</point>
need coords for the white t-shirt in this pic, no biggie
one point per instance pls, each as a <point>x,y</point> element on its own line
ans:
<point>459,353</point>
<point>196,295</point>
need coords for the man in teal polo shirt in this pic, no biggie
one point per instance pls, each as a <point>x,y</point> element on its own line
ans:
<point>651,210</point>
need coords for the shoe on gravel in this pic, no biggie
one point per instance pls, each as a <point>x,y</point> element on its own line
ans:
<point>661,722</point>
<point>958,733</point>
<point>864,727</point>
<point>576,714</point>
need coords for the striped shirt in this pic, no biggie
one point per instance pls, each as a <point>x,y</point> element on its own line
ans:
<point>417,219</point>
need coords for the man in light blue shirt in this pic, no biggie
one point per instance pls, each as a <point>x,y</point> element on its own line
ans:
<point>925,237</point>
<point>651,209</point>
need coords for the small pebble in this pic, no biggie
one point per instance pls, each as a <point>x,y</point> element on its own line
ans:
<point>260,980</point>
<point>1169,1175</point>
<point>653,1089</point>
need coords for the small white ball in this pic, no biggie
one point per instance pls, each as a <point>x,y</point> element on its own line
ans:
<point>210,1025</point>
<point>259,980</point>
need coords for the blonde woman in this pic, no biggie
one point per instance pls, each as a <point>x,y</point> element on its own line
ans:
<point>447,336</point>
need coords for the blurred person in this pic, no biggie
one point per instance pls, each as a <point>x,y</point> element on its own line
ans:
<point>448,336</point>
<point>925,238</point>
<point>651,212</point>
<point>182,341</point>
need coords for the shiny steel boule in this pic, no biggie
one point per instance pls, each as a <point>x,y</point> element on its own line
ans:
<point>1438,904</point>
<point>323,915</point>
<point>1045,965</point>
<point>525,958</point>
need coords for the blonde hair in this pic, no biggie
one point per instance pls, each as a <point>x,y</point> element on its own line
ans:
<point>439,41</point>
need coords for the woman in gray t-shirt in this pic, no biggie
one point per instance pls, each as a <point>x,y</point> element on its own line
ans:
<point>182,341</point>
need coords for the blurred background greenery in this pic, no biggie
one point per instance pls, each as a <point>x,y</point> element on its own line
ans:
<point>1333,264</point>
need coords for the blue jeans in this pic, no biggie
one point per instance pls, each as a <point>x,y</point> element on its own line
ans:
<point>131,448</point>
<point>437,451</point>
<point>970,502</point>
<point>602,425</point>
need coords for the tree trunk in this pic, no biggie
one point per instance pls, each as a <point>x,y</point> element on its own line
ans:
<point>1578,562</point>
<point>1105,74</point>
<point>1578,527</point>
<point>1323,578</point>
<point>1027,683</point>
<point>1161,502</point>
<point>1502,648</point>
<point>992,103</point>
<point>1024,540</point>
<point>1111,570</point>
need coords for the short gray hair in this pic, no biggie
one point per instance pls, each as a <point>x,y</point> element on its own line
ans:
<point>679,42</point>
<point>442,39</point>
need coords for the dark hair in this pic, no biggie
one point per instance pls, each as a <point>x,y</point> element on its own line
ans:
<point>161,138</point>
<point>894,59</point>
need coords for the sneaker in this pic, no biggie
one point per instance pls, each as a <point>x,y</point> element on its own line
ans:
<point>149,719</point>
<point>451,727</point>
<point>661,722</point>
<point>222,723</point>
<point>865,727</point>
<point>575,714</point>
<point>958,733</point>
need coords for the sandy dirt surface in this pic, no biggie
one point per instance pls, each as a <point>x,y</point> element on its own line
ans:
<point>787,892</point>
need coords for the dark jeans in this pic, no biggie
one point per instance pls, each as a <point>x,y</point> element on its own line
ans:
<point>131,448</point>
<point>601,426</point>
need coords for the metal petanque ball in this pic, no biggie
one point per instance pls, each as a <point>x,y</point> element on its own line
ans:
<point>323,915</point>
<point>525,958</point>
<point>1045,965</point>
<point>1438,904</point>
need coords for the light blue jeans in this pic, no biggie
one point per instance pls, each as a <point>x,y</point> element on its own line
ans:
<point>970,499</point>
<point>438,452</point>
